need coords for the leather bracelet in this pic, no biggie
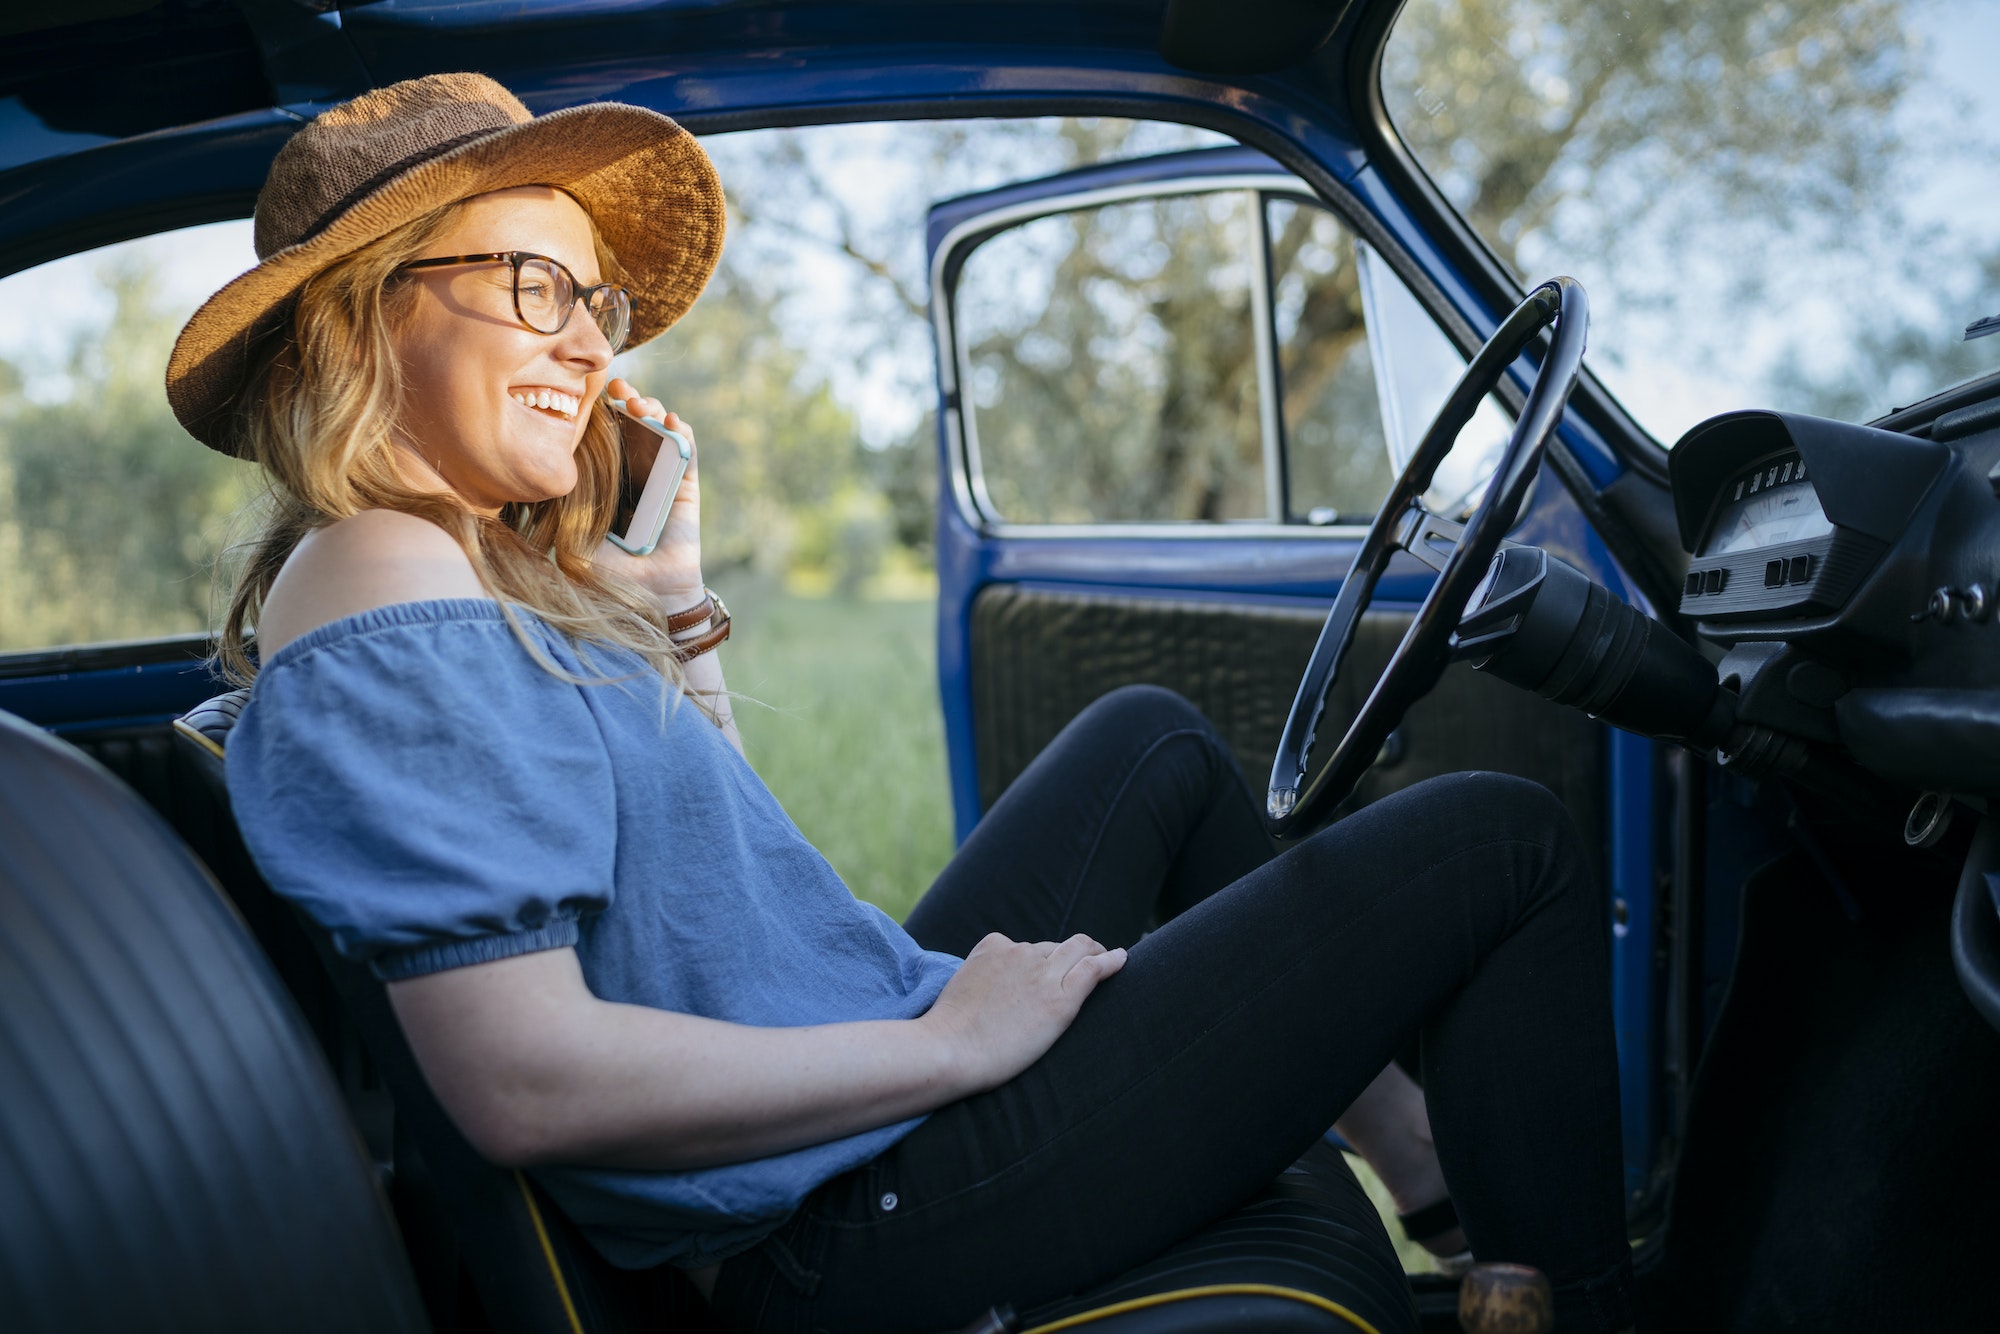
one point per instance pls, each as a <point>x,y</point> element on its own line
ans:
<point>718,630</point>
<point>688,649</point>
<point>701,613</point>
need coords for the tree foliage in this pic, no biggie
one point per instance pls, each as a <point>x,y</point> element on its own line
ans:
<point>1713,166</point>
<point>111,517</point>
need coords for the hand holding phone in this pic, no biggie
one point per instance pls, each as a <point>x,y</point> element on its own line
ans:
<point>643,508</point>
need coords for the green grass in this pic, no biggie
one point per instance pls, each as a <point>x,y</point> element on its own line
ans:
<point>838,707</point>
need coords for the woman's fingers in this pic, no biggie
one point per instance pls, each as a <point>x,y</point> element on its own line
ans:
<point>992,941</point>
<point>638,405</point>
<point>1069,951</point>
<point>1082,962</point>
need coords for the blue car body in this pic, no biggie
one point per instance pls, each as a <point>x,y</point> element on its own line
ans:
<point>130,163</point>
<point>717,67</point>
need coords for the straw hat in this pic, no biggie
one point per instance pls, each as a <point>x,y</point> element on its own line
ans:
<point>366,167</point>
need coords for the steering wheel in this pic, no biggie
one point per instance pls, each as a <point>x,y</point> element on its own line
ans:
<point>1460,553</point>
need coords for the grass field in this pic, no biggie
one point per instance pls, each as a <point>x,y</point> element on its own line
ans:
<point>838,707</point>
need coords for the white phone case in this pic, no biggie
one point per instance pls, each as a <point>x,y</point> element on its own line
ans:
<point>663,483</point>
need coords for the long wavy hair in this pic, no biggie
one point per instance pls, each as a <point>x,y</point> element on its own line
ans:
<point>318,414</point>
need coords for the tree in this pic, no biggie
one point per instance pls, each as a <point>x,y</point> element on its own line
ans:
<point>111,516</point>
<point>776,447</point>
<point>1709,168</point>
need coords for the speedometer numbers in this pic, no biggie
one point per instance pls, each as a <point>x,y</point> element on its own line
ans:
<point>1768,547</point>
<point>1766,506</point>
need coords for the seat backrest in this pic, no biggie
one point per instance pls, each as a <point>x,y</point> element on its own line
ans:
<point>173,1152</point>
<point>534,1271</point>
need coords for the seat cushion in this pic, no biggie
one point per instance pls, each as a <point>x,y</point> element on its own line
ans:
<point>176,1154</point>
<point>1308,1255</point>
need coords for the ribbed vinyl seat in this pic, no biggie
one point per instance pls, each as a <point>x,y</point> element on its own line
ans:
<point>1314,1234</point>
<point>173,1152</point>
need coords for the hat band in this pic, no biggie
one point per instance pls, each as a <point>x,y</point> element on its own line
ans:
<point>389,173</point>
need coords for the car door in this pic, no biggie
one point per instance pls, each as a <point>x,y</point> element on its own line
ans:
<point>1171,395</point>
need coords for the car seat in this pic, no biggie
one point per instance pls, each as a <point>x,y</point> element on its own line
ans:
<point>174,1154</point>
<point>1309,1255</point>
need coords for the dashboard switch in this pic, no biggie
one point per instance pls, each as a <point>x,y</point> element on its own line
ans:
<point>1774,574</point>
<point>1694,583</point>
<point>1943,606</point>
<point>1713,580</point>
<point>1800,571</point>
<point>1977,605</point>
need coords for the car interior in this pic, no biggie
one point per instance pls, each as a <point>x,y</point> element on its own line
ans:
<point>1757,667</point>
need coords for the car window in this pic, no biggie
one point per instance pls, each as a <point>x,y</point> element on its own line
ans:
<point>1112,363</point>
<point>1336,445</point>
<point>1779,206</point>
<point>112,518</point>
<point>1217,356</point>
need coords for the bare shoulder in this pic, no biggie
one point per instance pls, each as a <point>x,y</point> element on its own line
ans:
<point>371,560</point>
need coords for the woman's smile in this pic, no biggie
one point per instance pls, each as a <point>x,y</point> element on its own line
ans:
<point>562,405</point>
<point>463,336</point>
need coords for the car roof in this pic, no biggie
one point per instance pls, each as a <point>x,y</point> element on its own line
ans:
<point>120,118</point>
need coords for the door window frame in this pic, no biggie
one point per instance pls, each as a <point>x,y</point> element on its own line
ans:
<point>967,480</point>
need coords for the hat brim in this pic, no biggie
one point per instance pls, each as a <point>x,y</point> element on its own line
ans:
<point>645,181</point>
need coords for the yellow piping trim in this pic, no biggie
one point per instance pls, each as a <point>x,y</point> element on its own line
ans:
<point>1211,1290</point>
<point>199,737</point>
<point>549,1254</point>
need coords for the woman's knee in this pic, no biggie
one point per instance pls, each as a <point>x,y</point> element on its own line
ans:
<point>1483,806</point>
<point>1481,799</point>
<point>1145,710</point>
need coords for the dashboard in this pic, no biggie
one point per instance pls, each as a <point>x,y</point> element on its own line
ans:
<point>1849,578</point>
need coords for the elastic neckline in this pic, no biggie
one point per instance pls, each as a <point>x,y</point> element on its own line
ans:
<point>428,611</point>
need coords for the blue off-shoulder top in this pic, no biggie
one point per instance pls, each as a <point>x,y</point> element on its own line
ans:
<point>433,797</point>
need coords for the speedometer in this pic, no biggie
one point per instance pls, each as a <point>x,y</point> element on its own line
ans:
<point>1764,506</point>
<point>1786,515</point>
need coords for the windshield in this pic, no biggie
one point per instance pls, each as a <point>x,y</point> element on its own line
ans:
<point>1774,205</point>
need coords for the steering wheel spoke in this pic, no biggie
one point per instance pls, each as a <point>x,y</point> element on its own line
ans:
<point>1431,538</point>
<point>1458,552</point>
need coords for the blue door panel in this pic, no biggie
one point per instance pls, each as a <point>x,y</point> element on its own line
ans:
<point>1307,571</point>
<point>66,702</point>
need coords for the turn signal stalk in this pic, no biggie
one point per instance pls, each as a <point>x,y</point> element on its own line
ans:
<point>1546,627</point>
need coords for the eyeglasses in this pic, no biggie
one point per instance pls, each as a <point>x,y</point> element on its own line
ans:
<point>545,293</point>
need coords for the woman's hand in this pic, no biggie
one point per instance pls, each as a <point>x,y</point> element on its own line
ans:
<point>673,571</point>
<point>1010,1002</point>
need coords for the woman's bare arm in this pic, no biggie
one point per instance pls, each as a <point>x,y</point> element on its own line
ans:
<point>535,1069</point>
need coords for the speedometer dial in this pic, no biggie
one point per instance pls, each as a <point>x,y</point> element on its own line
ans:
<point>1770,504</point>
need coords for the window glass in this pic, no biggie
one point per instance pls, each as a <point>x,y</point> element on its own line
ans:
<point>1416,367</point>
<point>1112,363</point>
<point>1336,456</point>
<point>1784,206</point>
<point>1363,369</point>
<point>111,517</point>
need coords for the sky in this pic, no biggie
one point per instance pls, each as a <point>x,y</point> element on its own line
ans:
<point>882,189</point>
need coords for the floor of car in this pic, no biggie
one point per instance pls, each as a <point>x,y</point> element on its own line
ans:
<point>1841,1127</point>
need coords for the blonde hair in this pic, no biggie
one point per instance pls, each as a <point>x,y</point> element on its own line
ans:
<point>317,412</point>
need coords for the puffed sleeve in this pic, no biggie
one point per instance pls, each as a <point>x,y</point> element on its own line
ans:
<point>425,792</point>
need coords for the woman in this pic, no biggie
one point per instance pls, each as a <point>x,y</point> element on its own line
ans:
<point>494,758</point>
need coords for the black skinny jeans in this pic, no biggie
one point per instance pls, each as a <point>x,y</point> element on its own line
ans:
<point>1462,909</point>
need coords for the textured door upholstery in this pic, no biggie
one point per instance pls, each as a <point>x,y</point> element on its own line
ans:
<point>173,1152</point>
<point>1039,657</point>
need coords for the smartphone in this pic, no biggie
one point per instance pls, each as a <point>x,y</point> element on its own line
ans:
<point>643,507</point>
